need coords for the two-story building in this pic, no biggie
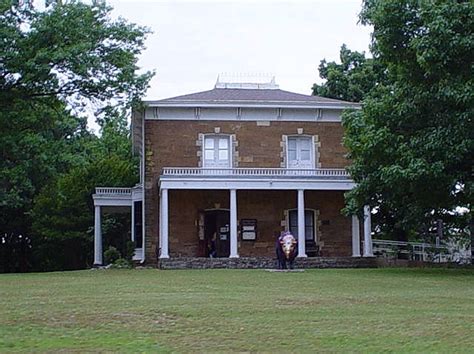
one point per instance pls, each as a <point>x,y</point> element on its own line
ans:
<point>225,171</point>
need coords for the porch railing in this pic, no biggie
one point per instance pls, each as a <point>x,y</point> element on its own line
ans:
<point>113,191</point>
<point>255,172</point>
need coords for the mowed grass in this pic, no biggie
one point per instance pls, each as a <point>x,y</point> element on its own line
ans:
<point>356,310</point>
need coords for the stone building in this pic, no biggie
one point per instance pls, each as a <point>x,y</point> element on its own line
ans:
<point>225,171</point>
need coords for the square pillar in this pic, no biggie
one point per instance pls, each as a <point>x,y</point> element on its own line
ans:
<point>368,252</point>
<point>233,224</point>
<point>97,237</point>
<point>301,225</point>
<point>164,223</point>
<point>355,236</point>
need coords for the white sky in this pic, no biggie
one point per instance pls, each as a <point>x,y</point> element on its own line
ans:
<point>192,42</point>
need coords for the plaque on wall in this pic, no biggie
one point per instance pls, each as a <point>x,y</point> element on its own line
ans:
<point>248,229</point>
<point>224,229</point>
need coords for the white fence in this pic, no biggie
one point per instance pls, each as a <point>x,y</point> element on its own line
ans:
<point>420,251</point>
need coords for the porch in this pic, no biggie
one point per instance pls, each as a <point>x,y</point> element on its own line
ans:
<point>113,200</point>
<point>238,191</point>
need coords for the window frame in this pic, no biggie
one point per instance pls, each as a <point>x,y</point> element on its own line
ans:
<point>314,215</point>
<point>216,138</point>
<point>312,151</point>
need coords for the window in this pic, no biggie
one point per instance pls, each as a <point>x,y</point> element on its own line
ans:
<point>309,224</point>
<point>300,152</point>
<point>217,151</point>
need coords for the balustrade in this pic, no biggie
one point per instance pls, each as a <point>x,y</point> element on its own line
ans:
<point>254,172</point>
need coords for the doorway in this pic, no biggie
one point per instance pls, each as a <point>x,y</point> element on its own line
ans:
<point>217,233</point>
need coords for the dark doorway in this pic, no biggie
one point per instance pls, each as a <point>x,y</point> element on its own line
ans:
<point>217,233</point>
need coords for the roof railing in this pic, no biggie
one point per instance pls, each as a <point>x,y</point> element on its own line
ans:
<point>246,81</point>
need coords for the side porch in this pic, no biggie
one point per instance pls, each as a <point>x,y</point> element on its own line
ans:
<point>119,200</point>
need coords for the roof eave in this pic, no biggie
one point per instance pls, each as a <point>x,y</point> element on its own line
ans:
<point>253,105</point>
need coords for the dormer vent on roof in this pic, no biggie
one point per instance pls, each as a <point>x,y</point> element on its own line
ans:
<point>246,81</point>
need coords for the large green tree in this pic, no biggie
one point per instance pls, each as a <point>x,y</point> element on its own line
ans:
<point>57,66</point>
<point>351,79</point>
<point>63,211</point>
<point>412,144</point>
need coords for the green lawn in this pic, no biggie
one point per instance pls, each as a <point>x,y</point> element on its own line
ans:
<point>369,310</point>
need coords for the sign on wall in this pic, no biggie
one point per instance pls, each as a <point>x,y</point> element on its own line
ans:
<point>248,229</point>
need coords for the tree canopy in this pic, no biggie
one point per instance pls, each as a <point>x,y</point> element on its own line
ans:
<point>352,79</point>
<point>412,144</point>
<point>59,66</point>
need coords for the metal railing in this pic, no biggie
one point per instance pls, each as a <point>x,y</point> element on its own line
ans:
<point>420,251</point>
<point>255,172</point>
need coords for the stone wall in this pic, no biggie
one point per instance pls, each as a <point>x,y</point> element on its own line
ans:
<point>265,263</point>
<point>176,144</point>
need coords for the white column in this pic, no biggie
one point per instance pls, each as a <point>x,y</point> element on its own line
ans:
<point>367,233</point>
<point>160,228</point>
<point>97,237</point>
<point>233,224</point>
<point>133,221</point>
<point>301,225</point>
<point>164,223</point>
<point>355,236</point>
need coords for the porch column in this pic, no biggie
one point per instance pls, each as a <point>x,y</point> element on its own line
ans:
<point>97,237</point>
<point>133,221</point>
<point>301,225</point>
<point>368,252</point>
<point>355,236</point>
<point>164,223</point>
<point>233,224</point>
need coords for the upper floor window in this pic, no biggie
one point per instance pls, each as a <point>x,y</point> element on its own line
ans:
<point>217,151</point>
<point>300,152</point>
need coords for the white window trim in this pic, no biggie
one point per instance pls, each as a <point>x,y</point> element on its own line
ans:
<point>229,146</point>
<point>313,158</point>
<point>315,222</point>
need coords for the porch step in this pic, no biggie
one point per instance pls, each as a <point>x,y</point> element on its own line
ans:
<point>264,263</point>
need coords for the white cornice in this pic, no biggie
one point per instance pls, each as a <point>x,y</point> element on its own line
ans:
<point>253,105</point>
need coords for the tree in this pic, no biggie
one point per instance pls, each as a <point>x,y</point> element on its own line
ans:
<point>412,144</point>
<point>351,80</point>
<point>57,66</point>
<point>63,212</point>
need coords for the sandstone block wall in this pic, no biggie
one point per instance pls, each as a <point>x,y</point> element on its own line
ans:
<point>176,144</point>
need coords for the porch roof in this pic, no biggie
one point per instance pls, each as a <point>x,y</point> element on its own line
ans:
<point>117,196</point>
<point>255,178</point>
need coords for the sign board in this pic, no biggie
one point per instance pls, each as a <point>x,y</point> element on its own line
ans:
<point>248,229</point>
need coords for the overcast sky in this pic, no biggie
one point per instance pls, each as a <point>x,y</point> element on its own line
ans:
<point>192,42</point>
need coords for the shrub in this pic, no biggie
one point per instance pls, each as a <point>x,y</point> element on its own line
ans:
<point>129,250</point>
<point>111,255</point>
<point>121,263</point>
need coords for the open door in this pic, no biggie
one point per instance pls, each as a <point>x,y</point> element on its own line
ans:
<point>217,233</point>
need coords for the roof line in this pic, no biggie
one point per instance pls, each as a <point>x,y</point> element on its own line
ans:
<point>314,105</point>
